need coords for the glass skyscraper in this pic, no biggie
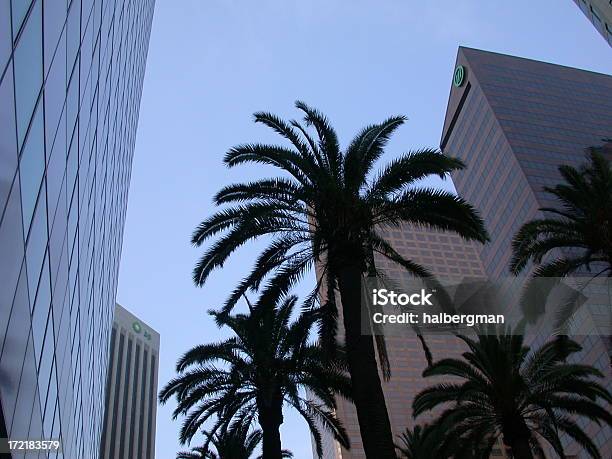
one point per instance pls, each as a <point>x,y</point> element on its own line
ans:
<point>71,75</point>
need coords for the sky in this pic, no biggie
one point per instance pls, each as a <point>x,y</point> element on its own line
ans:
<point>213,63</point>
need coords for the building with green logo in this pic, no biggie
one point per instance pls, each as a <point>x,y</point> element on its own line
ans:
<point>131,389</point>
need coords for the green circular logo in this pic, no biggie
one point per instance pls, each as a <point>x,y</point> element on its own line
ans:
<point>459,76</point>
<point>136,326</point>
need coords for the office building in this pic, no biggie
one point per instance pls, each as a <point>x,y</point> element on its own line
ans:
<point>446,255</point>
<point>513,121</point>
<point>71,76</point>
<point>599,12</point>
<point>131,389</point>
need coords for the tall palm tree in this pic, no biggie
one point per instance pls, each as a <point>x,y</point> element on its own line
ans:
<point>327,208</point>
<point>523,396</point>
<point>238,442</point>
<point>577,236</point>
<point>266,364</point>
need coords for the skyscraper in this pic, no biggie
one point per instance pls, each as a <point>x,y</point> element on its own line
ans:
<point>446,255</point>
<point>71,76</point>
<point>131,389</point>
<point>513,121</point>
<point>599,12</point>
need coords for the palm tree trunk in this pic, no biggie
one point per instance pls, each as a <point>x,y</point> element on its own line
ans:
<point>521,449</point>
<point>368,395</point>
<point>270,415</point>
<point>516,435</point>
<point>270,428</point>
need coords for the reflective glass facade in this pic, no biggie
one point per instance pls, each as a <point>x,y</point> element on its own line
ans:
<point>71,75</point>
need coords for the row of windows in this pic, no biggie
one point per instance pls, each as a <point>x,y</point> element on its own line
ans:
<point>542,79</point>
<point>584,112</point>
<point>538,114</point>
<point>579,137</point>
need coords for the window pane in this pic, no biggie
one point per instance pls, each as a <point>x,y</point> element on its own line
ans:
<point>15,343</point>
<point>73,33</point>
<point>37,244</point>
<point>28,69</point>
<point>55,94</point>
<point>11,247</point>
<point>5,33</point>
<point>26,397</point>
<point>40,314</point>
<point>20,8</point>
<point>55,171</point>
<point>55,16</point>
<point>8,145</point>
<point>31,168</point>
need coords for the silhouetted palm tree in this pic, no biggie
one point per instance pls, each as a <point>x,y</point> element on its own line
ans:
<point>327,208</point>
<point>267,363</point>
<point>235,443</point>
<point>576,236</point>
<point>421,442</point>
<point>523,396</point>
<point>431,441</point>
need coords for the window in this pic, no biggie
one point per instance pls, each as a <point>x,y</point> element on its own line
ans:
<point>54,19</point>
<point>55,95</point>
<point>31,168</point>
<point>20,9</point>
<point>8,147</point>
<point>28,69</point>
<point>5,34</point>
<point>40,314</point>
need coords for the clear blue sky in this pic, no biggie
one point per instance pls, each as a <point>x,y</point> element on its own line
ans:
<point>212,63</point>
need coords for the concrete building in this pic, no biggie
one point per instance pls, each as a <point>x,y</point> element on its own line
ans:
<point>70,83</point>
<point>131,389</point>
<point>599,12</point>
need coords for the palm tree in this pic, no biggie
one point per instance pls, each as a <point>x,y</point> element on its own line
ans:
<point>267,363</point>
<point>575,237</point>
<point>235,443</point>
<point>430,441</point>
<point>523,396</point>
<point>327,208</point>
<point>420,443</point>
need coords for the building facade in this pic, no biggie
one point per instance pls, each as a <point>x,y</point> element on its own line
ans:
<point>131,389</point>
<point>71,76</point>
<point>599,12</point>
<point>513,121</point>
<point>446,255</point>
